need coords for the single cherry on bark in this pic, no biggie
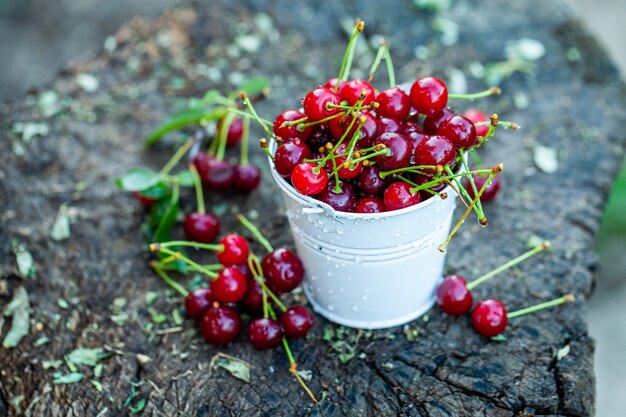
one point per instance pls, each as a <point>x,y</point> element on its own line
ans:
<point>200,226</point>
<point>220,325</point>
<point>454,294</point>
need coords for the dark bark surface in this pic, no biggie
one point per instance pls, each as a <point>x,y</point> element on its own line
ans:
<point>575,106</point>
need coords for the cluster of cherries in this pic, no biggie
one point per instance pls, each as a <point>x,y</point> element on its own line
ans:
<point>364,151</point>
<point>489,316</point>
<point>242,283</point>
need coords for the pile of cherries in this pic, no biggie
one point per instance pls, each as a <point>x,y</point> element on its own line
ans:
<point>243,284</point>
<point>364,151</point>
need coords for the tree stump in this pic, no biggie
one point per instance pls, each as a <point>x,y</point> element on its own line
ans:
<point>65,145</point>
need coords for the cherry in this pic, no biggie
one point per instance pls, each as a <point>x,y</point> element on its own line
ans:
<point>253,300</point>
<point>421,179</point>
<point>432,123</point>
<point>400,151</point>
<point>282,269</point>
<point>330,84</point>
<point>369,205</point>
<point>201,227</point>
<point>230,285</point>
<point>415,136</point>
<point>198,302</point>
<point>342,172</point>
<point>429,95</point>
<point>460,130</point>
<point>265,333</point>
<point>290,132</point>
<point>244,269</point>
<point>490,191</point>
<point>236,250</point>
<point>398,195</point>
<point>351,92</point>
<point>435,150</point>
<point>370,182</point>
<point>369,130</point>
<point>297,321</point>
<point>489,317</point>
<point>316,101</point>
<point>215,174</point>
<point>393,103</point>
<point>453,296</point>
<point>476,116</point>
<point>411,127</point>
<point>320,137</point>
<point>247,178</point>
<point>308,179</point>
<point>235,130</point>
<point>220,325</point>
<point>344,200</point>
<point>386,125</point>
<point>290,154</point>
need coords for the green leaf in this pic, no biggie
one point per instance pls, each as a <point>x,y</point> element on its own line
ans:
<point>185,178</point>
<point>138,407</point>
<point>71,378</point>
<point>54,364</point>
<point>157,192</point>
<point>237,368</point>
<point>84,356</point>
<point>156,316</point>
<point>210,97</point>
<point>19,309</point>
<point>499,338</point>
<point>138,179</point>
<point>181,120</point>
<point>97,385</point>
<point>254,86</point>
<point>24,259</point>
<point>43,340</point>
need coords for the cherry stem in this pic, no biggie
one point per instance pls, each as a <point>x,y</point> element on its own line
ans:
<point>414,168</point>
<point>493,91</point>
<point>175,285</point>
<point>223,135</point>
<point>470,179</point>
<point>451,176</point>
<point>179,256</point>
<point>255,232</point>
<point>380,54</point>
<point>385,151</point>
<point>330,106</point>
<point>476,158</point>
<point>384,53</point>
<point>294,122</point>
<point>301,126</point>
<point>245,145</point>
<point>154,247</point>
<point>442,247</point>
<point>265,310</point>
<point>566,299</point>
<point>246,101</point>
<point>257,271</point>
<point>176,157</point>
<point>250,116</point>
<point>540,248</point>
<point>348,55</point>
<point>506,125</point>
<point>337,187</point>
<point>198,186</point>
<point>264,146</point>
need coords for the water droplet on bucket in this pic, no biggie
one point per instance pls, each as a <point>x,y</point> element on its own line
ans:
<point>355,308</point>
<point>364,298</point>
<point>331,307</point>
<point>330,274</point>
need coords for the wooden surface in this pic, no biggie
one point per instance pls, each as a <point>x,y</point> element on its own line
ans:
<point>575,106</point>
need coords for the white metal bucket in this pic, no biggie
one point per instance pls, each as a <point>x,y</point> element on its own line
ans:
<point>369,271</point>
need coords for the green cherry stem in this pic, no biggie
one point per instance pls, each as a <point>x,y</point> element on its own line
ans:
<point>155,247</point>
<point>158,268</point>
<point>223,135</point>
<point>245,143</point>
<point>179,256</point>
<point>255,232</point>
<point>264,145</point>
<point>476,159</point>
<point>540,248</point>
<point>470,178</point>
<point>247,115</point>
<point>390,70</point>
<point>248,103</point>
<point>176,157</point>
<point>493,91</point>
<point>198,187</point>
<point>411,169</point>
<point>348,56</point>
<point>462,191</point>
<point>569,298</point>
<point>294,122</point>
<point>380,54</point>
<point>255,267</point>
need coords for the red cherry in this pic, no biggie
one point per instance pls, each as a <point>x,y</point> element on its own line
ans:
<point>144,200</point>
<point>282,269</point>
<point>490,191</point>
<point>369,205</point>
<point>265,333</point>
<point>489,317</point>
<point>369,130</point>
<point>220,325</point>
<point>320,137</point>
<point>393,103</point>
<point>453,296</point>
<point>290,154</point>
<point>230,285</point>
<point>370,182</point>
<point>400,151</point>
<point>290,132</point>
<point>351,92</point>
<point>344,173</point>
<point>235,130</point>
<point>198,302</point>
<point>460,130</point>
<point>398,195</point>
<point>247,178</point>
<point>315,103</point>
<point>429,95</point>
<point>308,179</point>
<point>297,321</point>
<point>236,250</point>
<point>253,300</point>
<point>245,271</point>
<point>344,200</point>
<point>330,84</point>
<point>386,125</point>
<point>432,123</point>
<point>435,150</point>
<point>201,227</point>
<point>476,116</point>
<point>215,174</point>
